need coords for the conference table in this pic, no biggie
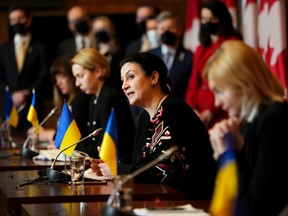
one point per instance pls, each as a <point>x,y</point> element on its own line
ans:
<point>16,190</point>
<point>94,208</point>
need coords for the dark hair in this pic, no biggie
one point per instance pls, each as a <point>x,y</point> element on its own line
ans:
<point>150,63</point>
<point>18,7</point>
<point>62,66</point>
<point>220,11</point>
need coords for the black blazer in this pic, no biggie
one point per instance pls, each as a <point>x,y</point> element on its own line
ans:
<point>264,160</point>
<point>180,71</point>
<point>66,47</point>
<point>99,112</point>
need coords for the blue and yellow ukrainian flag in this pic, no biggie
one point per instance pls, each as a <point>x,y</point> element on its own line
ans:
<point>108,151</point>
<point>67,131</point>
<point>32,113</point>
<point>225,196</point>
<point>11,113</point>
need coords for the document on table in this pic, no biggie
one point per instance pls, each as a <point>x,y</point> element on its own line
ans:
<point>182,210</point>
<point>51,154</point>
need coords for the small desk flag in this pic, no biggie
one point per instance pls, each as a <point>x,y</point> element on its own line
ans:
<point>108,151</point>
<point>32,113</point>
<point>67,131</point>
<point>224,200</point>
<point>12,117</point>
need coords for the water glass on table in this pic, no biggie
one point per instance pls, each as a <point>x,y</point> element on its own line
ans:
<point>77,167</point>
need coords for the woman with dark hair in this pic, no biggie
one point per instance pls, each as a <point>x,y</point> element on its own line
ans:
<point>216,27</point>
<point>165,121</point>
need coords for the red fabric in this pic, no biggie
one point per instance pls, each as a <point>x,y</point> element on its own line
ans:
<point>198,94</point>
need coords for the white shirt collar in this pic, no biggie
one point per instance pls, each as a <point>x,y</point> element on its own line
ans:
<point>22,38</point>
<point>165,49</point>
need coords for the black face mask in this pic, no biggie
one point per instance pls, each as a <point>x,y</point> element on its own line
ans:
<point>82,27</point>
<point>102,37</point>
<point>20,28</point>
<point>168,38</point>
<point>212,28</point>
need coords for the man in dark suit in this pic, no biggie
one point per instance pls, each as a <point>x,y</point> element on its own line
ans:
<point>141,44</point>
<point>177,59</point>
<point>79,24</point>
<point>24,66</point>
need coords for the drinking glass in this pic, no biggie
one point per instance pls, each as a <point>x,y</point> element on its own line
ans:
<point>77,167</point>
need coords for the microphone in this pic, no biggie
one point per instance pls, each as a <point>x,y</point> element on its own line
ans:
<point>108,209</point>
<point>58,176</point>
<point>29,153</point>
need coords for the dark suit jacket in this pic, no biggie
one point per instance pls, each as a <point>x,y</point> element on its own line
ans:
<point>66,47</point>
<point>180,71</point>
<point>264,160</point>
<point>134,46</point>
<point>99,112</point>
<point>34,73</point>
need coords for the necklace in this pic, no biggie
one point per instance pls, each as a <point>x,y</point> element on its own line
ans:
<point>163,97</point>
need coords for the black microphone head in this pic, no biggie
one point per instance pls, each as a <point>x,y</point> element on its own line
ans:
<point>108,210</point>
<point>56,176</point>
<point>28,153</point>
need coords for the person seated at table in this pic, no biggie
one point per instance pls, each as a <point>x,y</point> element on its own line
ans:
<point>258,120</point>
<point>64,89</point>
<point>166,121</point>
<point>91,70</point>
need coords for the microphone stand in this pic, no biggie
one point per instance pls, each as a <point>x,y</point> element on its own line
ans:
<point>58,176</point>
<point>29,153</point>
<point>108,209</point>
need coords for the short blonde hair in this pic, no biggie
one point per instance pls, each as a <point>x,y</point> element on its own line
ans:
<point>90,59</point>
<point>237,65</point>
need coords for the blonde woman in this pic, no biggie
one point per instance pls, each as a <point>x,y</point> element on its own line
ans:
<point>258,120</point>
<point>91,70</point>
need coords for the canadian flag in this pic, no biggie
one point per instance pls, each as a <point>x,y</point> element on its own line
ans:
<point>191,34</point>
<point>249,22</point>
<point>272,36</point>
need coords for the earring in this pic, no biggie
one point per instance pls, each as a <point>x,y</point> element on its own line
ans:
<point>153,84</point>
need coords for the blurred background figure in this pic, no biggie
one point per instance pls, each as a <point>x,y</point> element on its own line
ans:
<point>107,44</point>
<point>24,66</point>
<point>177,59</point>
<point>64,89</point>
<point>79,24</point>
<point>216,27</point>
<point>92,72</point>
<point>141,44</point>
<point>151,32</point>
